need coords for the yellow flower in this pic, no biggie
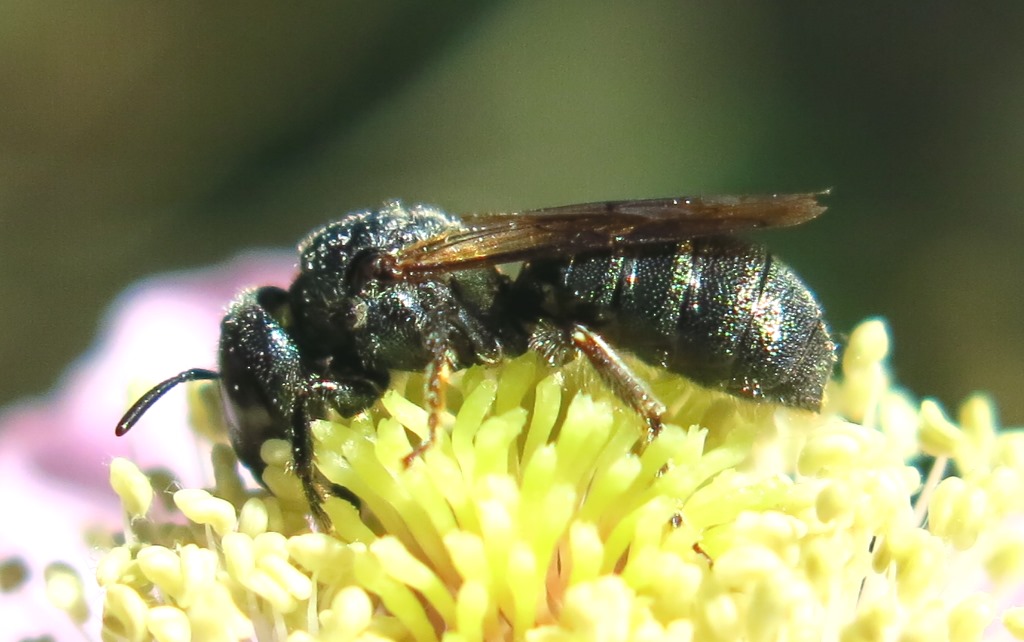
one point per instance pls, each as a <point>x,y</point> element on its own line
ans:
<point>540,515</point>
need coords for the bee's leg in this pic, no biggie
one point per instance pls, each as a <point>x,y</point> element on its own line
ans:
<point>553,343</point>
<point>302,460</point>
<point>438,370</point>
<point>629,387</point>
<point>348,395</point>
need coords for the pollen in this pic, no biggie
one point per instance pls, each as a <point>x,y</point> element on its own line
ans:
<point>132,486</point>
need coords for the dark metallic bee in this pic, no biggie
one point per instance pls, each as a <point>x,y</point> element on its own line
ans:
<point>417,289</point>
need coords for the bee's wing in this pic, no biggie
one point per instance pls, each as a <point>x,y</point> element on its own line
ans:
<point>490,239</point>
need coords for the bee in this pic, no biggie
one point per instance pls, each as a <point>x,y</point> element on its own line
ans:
<point>416,289</point>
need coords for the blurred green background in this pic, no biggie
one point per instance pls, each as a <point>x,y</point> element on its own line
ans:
<point>143,137</point>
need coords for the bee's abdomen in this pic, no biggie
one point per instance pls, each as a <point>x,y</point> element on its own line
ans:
<point>716,310</point>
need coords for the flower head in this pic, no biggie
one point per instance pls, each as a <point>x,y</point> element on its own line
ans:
<point>542,515</point>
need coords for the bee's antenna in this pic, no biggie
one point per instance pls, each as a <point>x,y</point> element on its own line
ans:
<point>140,407</point>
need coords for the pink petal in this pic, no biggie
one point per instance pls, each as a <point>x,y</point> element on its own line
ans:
<point>54,450</point>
